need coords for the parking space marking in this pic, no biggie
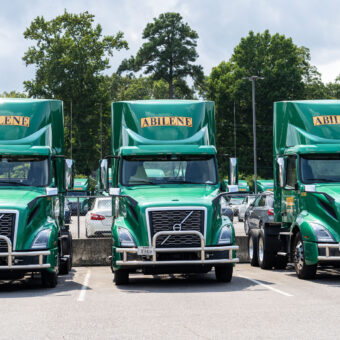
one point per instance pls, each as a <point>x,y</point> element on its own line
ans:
<point>266,286</point>
<point>83,290</point>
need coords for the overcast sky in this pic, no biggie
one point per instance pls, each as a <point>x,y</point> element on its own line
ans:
<point>220,25</point>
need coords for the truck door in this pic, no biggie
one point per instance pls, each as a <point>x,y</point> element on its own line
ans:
<point>289,192</point>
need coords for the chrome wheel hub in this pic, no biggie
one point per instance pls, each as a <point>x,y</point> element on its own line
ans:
<point>261,249</point>
<point>251,248</point>
<point>299,258</point>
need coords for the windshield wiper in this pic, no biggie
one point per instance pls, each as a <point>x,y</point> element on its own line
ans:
<point>14,183</point>
<point>322,180</point>
<point>141,182</point>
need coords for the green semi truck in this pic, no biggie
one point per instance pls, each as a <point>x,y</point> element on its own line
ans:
<point>34,177</point>
<point>78,196</point>
<point>306,231</point>
<point>166,190</point>
<point>264,185</point>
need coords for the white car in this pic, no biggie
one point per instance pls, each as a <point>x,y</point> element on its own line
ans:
<point>98,220</point>
<point>244,206</point>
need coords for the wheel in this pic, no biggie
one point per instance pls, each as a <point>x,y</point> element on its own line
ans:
<point>224,272</point>
<point>121,277</point>
<point>253,240</point>
<point>66,266</point>
<point>266,258</point>
<point>303,271</point>
<point>49,279</point>
<point>246,226</point>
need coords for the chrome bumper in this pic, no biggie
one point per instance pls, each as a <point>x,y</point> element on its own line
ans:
<point>202,249</point>
<point>10,254</point>
<point>329,246</point>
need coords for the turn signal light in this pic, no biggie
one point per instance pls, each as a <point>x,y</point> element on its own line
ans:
<point>270,212</point>
<point>97,217</point>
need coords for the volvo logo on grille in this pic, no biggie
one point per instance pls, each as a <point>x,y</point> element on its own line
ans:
<point>177,227</point>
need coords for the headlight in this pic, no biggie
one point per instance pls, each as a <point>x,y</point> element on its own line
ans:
<point>321,233</point>
<point>125,238</point>
<point>41,240</point>
<point>225,236</point>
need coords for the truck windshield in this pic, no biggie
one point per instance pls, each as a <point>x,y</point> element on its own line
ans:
<point>169,170</point>
<point>320,168</point>
<point>24,170</point>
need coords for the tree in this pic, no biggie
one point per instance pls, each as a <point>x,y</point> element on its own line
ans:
<point>13,94</point>
<point>70,55</point>
<point>168,54</point>
<point>286,70</point>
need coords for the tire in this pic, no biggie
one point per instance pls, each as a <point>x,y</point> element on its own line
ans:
<point>66,266</point>
<point>266,258</point>
<point>246,226</point>
<point>253,242</point>
<point>121,277</point>
<point>49,279</point>
<point>303,271</point>
<point>224,272</point>
<point>239,219</point>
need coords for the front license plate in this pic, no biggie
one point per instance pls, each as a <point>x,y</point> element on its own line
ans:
<point>145,251</point>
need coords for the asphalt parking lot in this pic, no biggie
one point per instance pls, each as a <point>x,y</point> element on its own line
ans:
<point>256,304</point>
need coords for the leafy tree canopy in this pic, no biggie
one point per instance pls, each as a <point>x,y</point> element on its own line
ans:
<point>69,55</point>
<point>168,54</point>
<point>13,94</point>
<point>287,72</point>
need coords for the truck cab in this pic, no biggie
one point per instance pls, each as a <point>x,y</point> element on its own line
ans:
<point>306,230</point>
<point>34,177</point>
<point>166,191</point>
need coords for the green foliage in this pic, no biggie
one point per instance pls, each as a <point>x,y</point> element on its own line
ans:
<point>168,54</point>
<point>69,55</point>
<point>13,94</point>
<point>286,71</point>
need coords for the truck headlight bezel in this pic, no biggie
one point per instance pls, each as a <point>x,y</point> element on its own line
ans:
<point>225,235</point>
<point>41,240</point>
<point>322,234</point>
<point>125,238</point>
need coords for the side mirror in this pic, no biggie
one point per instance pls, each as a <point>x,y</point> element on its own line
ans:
<point>281,171</point>
<point>68,174</point>
<point>104,174</point>
<point>233,172</point>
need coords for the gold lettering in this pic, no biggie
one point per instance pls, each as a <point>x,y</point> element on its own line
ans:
<point>165,121</point>
<point>326,120</point>
<point>15,121</point>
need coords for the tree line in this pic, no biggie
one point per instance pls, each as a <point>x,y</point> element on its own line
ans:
<point>70,54</point>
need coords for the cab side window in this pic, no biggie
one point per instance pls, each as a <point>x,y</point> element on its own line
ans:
<point>291,179</point>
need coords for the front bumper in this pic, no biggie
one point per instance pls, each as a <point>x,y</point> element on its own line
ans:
<point>11,263</point>
<point>201,250</point>
<point>329,251</point>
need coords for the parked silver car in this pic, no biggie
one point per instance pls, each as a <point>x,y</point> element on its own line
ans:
<point>259,212</point>
<point>244,206</point>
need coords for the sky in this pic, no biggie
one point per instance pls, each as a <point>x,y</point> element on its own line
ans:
<point>220,25</point>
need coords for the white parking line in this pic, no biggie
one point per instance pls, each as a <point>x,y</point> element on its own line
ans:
<point>266,286</point>
<point>83,290</point>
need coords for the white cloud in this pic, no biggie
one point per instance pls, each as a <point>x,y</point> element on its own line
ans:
<point>219,23</point>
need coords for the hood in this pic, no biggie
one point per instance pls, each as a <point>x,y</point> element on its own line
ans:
<point>332,189</point>
<point>183,194</point>
<point>18,197</point>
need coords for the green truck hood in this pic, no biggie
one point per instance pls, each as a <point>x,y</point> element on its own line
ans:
<point>18,199</point>
<point>161,195</point>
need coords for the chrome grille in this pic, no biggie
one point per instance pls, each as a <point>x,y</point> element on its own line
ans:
<point>164,220</point>
<point>7,223</point>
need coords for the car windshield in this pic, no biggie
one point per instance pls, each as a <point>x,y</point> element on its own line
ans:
<point>236,200</point>
<point>24,170</point>
<point>169,170</point>
<point>76,193</point>
<point>320,168</point>
<point>105,204</point>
